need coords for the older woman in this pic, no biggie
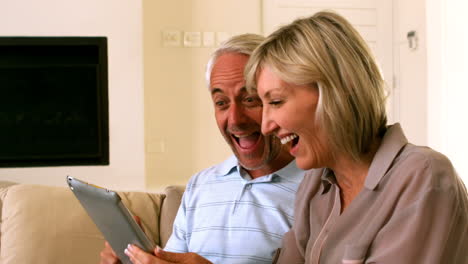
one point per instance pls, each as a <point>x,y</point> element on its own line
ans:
<point>376,198</point>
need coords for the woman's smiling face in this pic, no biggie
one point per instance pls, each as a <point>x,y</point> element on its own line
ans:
<point>289,113</point>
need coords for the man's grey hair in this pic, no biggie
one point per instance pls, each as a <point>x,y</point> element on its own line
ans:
<point>242,44</point>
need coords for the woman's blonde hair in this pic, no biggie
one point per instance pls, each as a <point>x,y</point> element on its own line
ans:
<point>325,50</point>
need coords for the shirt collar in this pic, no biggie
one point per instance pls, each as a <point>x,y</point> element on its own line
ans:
<point>328,178</point>
<point>290,172</point>
<point>226,167</point>
<point>393,141</point>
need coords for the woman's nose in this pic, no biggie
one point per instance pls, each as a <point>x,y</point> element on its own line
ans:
<point>268,125</point>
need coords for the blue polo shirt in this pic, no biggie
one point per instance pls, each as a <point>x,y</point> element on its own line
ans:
<point>228,217</point>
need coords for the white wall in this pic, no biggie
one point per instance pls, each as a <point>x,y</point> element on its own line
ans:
<point>455,85</point>
<point>448,86</point>
<point>121,22</point>
<point>411,70</point>
<point>432,79</point>
<point>434,20</point>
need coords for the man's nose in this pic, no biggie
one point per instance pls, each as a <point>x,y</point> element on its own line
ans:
<point>236,115</point>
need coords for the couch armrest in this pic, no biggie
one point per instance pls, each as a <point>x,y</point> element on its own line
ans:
<point>3,191</point>
<point>46,224</point>
<point>169,210</point>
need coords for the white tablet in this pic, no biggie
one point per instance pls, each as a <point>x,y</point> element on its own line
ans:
<point>111,217</point>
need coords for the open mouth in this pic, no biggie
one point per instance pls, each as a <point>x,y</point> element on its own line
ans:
<point>247,141</point>
<point>293,138</point>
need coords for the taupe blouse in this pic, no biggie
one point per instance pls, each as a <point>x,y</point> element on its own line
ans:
<point>412,209</point>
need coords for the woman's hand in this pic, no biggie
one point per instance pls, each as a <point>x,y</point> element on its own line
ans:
<point>138,256</point>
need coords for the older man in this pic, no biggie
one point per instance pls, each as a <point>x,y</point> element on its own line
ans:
<point>236,211</point>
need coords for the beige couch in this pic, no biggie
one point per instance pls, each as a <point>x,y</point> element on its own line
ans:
<point>47,225</point>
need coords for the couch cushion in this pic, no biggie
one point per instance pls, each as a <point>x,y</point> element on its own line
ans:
<point>44,224</point>
<point>169,211</point>
<point>147,206</point>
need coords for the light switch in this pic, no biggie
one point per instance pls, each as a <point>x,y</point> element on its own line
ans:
<point>221,37</point>
<point>208,39</point>
<point>156,146</point>
<point>192,39</point>
<point>171,38</point>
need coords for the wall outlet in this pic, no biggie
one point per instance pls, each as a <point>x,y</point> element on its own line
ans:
<point>208,39</point>
<point>192,39</point>
<point>221,37</point>
<point>156,146</point>
<point>171,38</point>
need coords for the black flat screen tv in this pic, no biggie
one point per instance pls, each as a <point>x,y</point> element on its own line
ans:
<point>53,101</point>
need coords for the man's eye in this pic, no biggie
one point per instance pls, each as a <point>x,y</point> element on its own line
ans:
<point>252,101</point>
<point>220,103</point>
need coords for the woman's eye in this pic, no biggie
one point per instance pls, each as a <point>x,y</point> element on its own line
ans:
<point>275,102</point>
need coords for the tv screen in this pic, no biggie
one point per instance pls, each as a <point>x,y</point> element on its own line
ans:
<point>53,101</point>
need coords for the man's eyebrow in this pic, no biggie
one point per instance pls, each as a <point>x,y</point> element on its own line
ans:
<point>244,90</point>
<point>253,92</point>
<point>216,90</point>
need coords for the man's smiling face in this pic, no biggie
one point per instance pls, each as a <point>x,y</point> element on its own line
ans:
<point>239,114</point>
